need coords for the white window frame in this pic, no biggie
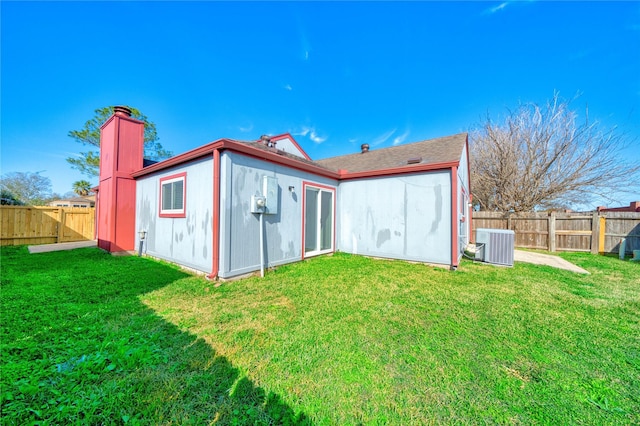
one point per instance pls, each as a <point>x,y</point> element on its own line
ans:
<point>170,180</point>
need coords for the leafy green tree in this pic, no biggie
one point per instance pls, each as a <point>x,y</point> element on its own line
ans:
<point>88,162</point>
<point>26,187</point>
<point>8,199</point>
<point>82,187</point>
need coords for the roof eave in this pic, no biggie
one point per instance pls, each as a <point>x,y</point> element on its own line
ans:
<point>223,144</point>
<point>399,170</point>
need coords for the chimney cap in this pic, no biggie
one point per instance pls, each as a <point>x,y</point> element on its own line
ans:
<point>122,111</point>
<point>265,139</point>
<point>364,147</point>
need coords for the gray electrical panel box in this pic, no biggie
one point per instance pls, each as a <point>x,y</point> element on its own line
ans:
<point>270,192</point>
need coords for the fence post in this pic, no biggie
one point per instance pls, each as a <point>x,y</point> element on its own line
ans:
<point>60,225</point>
<point>603,228</point>
<point>552,231</point>
<point>595,233</point>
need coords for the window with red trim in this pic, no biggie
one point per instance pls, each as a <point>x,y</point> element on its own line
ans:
<point>173,195</point>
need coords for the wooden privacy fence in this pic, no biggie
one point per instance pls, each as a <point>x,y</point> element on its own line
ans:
<point>45,225</point>
<point>591,232</point>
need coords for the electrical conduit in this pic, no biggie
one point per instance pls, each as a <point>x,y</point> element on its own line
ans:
<point>261,245</point>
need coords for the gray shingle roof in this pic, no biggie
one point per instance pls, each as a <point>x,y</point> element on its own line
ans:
<point>432,151</point>
<point>283,153</point>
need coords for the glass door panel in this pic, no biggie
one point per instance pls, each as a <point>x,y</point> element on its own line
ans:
<point>318,221</point>
<point>326,220</point>
<point>311,220</point>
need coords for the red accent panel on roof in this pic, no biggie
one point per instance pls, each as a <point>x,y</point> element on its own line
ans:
<point>288,136</point>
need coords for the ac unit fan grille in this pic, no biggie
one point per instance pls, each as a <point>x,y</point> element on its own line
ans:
<point>495,246</point>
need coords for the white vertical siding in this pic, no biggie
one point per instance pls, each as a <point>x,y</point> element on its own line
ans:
<point>241,178</point>
<point>403,217</point>
<point>186,241</point>
<point>288,146</point>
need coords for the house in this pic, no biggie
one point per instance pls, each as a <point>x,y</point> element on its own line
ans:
<point>633,206</point>
<point>231,207</point>
<point>87,201</point>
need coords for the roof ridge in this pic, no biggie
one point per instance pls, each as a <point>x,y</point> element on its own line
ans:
<point>395,146</point>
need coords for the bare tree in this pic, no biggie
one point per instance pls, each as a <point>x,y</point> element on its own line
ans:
<point>26,187</point>
<point>543,157</point>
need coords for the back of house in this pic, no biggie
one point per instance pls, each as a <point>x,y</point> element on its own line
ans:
<point>200,209</point>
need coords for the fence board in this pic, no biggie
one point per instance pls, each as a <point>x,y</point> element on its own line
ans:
<point>77,226</point>
<point>622,225</point>
<point>42,225</point>
<point>595,232</point>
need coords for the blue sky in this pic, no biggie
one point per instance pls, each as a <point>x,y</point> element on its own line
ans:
<point>333,74</point>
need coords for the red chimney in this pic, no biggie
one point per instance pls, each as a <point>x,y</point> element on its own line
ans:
<point>121,153</point>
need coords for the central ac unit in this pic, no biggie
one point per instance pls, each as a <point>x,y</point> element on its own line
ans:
<point>495,246</point>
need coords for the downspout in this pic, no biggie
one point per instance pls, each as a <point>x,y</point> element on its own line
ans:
<point>261,244</point>
<point>470,208</point>
<point>454,218</point>
<point>215,230</point>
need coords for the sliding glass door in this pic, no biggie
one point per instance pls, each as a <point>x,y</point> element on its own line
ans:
<point>318,220</point>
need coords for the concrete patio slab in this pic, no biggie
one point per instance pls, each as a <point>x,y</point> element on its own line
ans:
<point>44,248</point>
<point>547,259</point>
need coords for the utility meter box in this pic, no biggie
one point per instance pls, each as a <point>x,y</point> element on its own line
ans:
<point>270,192</point>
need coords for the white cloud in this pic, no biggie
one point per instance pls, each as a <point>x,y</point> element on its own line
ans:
<point>246,129</point>
<point>312,133</point>
<point>497,8</point>
<point>399,139</point>
<point>66,154</point>
<point>288,87</point>
<point>503,6</point>
<point>382,138</point>
<point>304,132</point>
<point>316,138</point>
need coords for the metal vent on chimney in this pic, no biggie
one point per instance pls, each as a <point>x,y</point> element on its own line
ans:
<point>364,147</point>
<point>265,140</point>
<point>122,111</point>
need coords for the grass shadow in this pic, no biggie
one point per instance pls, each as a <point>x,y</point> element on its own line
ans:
<point>78,346</point>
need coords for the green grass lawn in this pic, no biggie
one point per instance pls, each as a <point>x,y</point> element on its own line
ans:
<point>91,338</point>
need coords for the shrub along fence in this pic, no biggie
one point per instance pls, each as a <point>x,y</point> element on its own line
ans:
<point>590,232</point>
<point>45,225</point>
